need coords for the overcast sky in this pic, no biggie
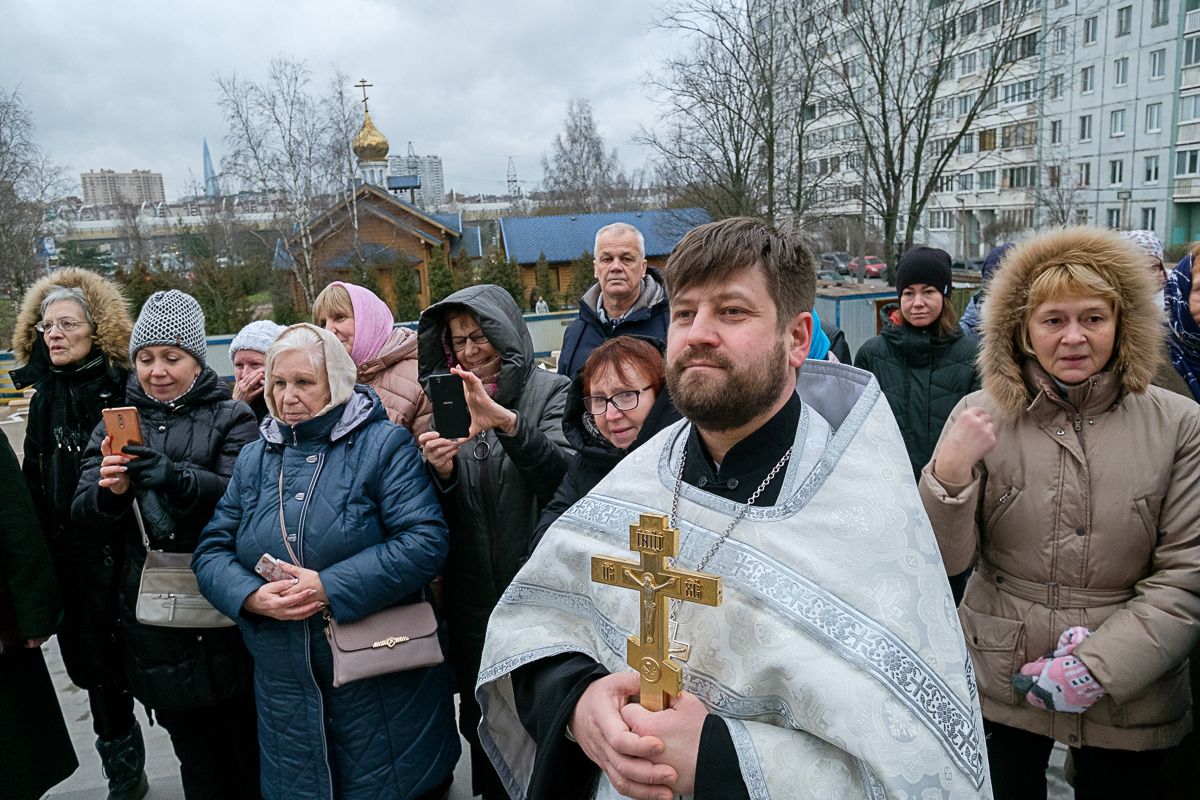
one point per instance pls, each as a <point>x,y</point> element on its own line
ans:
<point>129,85</point>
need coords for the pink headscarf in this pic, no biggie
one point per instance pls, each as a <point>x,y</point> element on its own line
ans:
<point>372,322</point>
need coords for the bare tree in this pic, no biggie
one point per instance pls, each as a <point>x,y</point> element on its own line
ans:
<point>283,143</point>
<point>579,175</point>
<point>29,183</point>
<point>893,63</point>
<point>1061,194</point>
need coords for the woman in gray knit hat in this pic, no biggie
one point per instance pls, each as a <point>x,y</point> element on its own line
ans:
<point>197,682</point>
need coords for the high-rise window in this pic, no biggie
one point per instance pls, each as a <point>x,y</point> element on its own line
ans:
<point>966,182</point>
<point>987,180</point>
<point>1060,40</point>
<point>1085,128</point>
<point>1149,218</point>
<point>968,23</point>
<point>1121,72</point>
<point>990,15</point>
<point>1085,174</point>
<point>1054,175</point>
<point>1124,20</point>
<point>1055,87</point>
<point>1159,12</point>
<point>1089,30</point>
<point>1116,172</point>
<point>1151,169</point>
<point>1116,123</point>
<point>1056,131</point>
<point>1158,64</point>
<point>1154,118</point>
<point>1081,216</point>
<point>1114,218</point>
<point>1187,162</point>
<point>1191,51</point>
<point>966,64</point>
<point>1087,80</point>
<point>1189,108</point>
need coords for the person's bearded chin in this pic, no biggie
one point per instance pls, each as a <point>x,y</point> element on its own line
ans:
<point>722,401</point>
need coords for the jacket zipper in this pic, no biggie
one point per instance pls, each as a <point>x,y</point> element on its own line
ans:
<point>307,627</point>
<point>1007,495</point>
<point>1078,422</point>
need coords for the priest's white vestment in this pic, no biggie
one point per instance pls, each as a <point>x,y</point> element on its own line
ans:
<point>836,658</point>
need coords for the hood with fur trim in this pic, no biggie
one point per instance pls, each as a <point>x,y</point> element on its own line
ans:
<point>110,312</point>
<point>1138,346</point>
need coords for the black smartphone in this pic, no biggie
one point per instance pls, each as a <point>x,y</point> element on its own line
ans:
<point>451,416</point>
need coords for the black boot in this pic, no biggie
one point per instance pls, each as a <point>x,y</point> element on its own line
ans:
<point>124,762</point>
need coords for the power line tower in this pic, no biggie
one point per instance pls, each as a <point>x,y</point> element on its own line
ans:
<point>411,152</point>
<point>513,188</point>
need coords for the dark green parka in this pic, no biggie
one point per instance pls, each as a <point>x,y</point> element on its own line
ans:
<point>923,376</point>
<point>492,503</point>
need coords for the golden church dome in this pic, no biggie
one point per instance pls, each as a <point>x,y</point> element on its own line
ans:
<point>369,144</point>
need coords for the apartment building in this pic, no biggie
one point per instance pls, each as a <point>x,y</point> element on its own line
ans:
<point>432,193</point>
<point>106,187</point>
<point>1096,120</point>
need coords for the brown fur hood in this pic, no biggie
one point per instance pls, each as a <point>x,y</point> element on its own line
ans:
<point>110,311</point>
<point>1139,327</point>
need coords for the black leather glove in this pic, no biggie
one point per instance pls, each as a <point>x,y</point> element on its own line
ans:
<point>153,470</point>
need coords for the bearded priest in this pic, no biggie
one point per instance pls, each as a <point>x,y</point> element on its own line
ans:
<point>835,666</point>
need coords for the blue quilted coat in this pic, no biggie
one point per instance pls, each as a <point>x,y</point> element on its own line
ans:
<point>363,512</point>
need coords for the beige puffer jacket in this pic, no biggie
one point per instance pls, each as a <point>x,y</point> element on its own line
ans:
<point>1087,512</point>
<point>393,376</point>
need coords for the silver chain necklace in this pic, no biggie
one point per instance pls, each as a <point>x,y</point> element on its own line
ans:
<point>677,648</point>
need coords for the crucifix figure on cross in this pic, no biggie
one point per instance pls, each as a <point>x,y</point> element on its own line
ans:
<point>656,581</point>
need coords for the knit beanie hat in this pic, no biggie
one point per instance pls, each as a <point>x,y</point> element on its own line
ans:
<point>992,262</point>
<point>372,322</point>
<point>170,318</point>
<point>256,336</point>
<point>924,265</point>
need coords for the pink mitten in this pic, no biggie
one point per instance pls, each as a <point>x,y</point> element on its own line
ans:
<point>1060,681</point>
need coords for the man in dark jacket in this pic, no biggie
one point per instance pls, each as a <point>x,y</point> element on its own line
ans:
<point>630,298</point>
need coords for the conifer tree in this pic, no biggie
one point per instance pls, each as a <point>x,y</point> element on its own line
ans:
<point>583,275</point>
<point>441,282</point>
<point>546,284</point>
<point>408,295</point>
<point>505,273</point>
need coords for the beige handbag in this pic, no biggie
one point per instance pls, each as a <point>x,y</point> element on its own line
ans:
<point>392,640</point>
<point>169,596</point>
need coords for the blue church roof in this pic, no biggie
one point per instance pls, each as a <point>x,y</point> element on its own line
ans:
<point>565,238</point>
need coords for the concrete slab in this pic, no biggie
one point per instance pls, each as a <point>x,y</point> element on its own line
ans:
<point>88,782</point>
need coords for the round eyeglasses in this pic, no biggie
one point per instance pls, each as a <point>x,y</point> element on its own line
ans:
<point>66,325</point>
<point>596,405</point>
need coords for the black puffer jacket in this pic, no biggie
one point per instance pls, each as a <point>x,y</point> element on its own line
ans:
<point>492,505</point>
<point>62,414</point>
<point>174,668</point>
<point>923,375</point>
<point>594,456</point>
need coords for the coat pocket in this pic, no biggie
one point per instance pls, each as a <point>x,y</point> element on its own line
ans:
<point>1149,520</point>
<point>1165,700</point>
<point>1003,503</point>
<point>997,647</point>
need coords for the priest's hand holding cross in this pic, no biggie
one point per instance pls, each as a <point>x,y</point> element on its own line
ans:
<point>648,750</point>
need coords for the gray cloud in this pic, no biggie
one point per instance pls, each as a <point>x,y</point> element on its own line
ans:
<point>129,85</point>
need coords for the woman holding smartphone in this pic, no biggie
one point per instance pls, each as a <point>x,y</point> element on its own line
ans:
<point>72,337</point>
<point>494,484</point>
<point>197,682</point>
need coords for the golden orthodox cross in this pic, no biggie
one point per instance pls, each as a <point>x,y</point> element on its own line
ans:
<point>362,84</point>
<point>657,582</point>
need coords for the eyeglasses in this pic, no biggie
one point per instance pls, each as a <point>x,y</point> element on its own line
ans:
<point>66,325</point>
<point>622,401</point>
<point>459,343</point>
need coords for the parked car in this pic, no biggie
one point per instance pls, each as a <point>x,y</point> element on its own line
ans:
<point>827,275</point>
<point>875,268</point>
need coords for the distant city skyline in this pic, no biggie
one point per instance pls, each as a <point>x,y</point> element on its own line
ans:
<point>468,82</point>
